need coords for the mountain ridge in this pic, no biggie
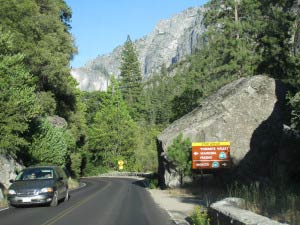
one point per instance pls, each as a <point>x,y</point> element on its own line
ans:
<point>170,41</point>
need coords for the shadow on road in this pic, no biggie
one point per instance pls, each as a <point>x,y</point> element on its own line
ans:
<point>140,183</point>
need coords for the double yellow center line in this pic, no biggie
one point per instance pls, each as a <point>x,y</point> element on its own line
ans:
<point>69,210</point>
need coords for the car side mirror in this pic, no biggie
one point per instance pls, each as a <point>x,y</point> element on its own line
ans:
<point>11,181</point>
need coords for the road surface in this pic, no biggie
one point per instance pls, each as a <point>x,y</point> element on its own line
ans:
<point>103,201</point>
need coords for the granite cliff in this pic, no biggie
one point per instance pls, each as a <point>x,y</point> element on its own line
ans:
<point>170,41</point>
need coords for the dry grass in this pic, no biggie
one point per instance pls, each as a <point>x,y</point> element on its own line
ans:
<point>207,188</point>
<point>278,203</point>
<point>3,204</point>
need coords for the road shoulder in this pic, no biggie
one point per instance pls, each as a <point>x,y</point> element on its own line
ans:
<point>178,207</point>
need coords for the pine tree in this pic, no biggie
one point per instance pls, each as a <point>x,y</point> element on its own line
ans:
<point>179,153</point>
<point>158,92</point>
<point>131,80</point>
<point>18,102</point>
<point>41,28</point>
<point>233,29</point>
<point>41,31</point>
<point>276,42</point>
<point>112,134</point>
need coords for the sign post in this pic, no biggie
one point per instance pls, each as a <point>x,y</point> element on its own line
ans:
<point>210,155</point>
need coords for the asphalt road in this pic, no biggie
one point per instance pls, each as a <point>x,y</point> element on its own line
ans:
<point>103,201</point>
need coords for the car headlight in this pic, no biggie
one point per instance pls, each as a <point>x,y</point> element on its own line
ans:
<point>46,190</point>
<point>11,192</point>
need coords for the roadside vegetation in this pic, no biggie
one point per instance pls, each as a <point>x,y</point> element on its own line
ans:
<point>278,202</point>
<point>270,198</point>
<point>3,203</point>
<point>200,216</point>
<point>179,153</point>
<point>243,38</point>
<point>73,183</point>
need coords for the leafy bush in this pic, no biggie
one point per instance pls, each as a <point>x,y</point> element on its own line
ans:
<point>146,152</point>
<point>200,217</point>
<point>295,105</point>
<point>152,183</point>
<point>76,160</point>
<point>179,153</point>
<point>18,105</point>
<point>50,145</point>
<point>47,103</point>
<point>90,166</point>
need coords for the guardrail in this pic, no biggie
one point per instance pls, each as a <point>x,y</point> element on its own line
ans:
<point>128,174</point>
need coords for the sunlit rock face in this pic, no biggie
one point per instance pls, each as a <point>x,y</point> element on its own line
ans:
<point>170,41</point>
<point>90,80</point>
<point>8,169</point>
<point>247,112</point>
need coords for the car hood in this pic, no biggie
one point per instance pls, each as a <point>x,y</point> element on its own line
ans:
<point>32,184</point>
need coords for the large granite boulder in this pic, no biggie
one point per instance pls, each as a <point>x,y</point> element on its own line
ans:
<point>57,121</point>
<point>247,112</point>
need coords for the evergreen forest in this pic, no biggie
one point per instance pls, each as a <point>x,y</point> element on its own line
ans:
<point>243,38</point>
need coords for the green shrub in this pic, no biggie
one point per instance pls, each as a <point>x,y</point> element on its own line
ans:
<point>179,153</point>
<point>50,145</point>
<point>90,169</point>
<point>76,160</point>
<point>153,183</point>
<point>199,216</point>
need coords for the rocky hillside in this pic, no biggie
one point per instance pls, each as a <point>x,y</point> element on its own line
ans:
<point>170,41</point>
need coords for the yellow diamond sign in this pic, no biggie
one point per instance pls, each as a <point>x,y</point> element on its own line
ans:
<point>121,164</point>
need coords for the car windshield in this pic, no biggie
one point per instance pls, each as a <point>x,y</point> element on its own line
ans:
<point>35,174</point>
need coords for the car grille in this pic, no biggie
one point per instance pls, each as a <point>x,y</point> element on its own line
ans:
<point>27,193</point>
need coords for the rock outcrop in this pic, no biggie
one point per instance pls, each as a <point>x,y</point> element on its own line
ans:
<point>170,41</point>
<point>8,169</point>
<point>90,79</point>
<point>247,112</point>
<point>57,121</point>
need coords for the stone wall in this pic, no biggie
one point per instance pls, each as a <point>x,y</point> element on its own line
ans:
<point>230,211</point>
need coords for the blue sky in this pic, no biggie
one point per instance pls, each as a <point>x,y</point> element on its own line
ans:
<point>99,26</point>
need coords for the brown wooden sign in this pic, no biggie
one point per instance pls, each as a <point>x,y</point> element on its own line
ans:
<point>210,155</point>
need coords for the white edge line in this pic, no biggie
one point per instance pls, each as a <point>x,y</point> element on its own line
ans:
<point>4,209</point>
<point>81,186</point>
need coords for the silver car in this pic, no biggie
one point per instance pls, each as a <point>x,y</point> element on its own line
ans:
<point>39,185</point>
